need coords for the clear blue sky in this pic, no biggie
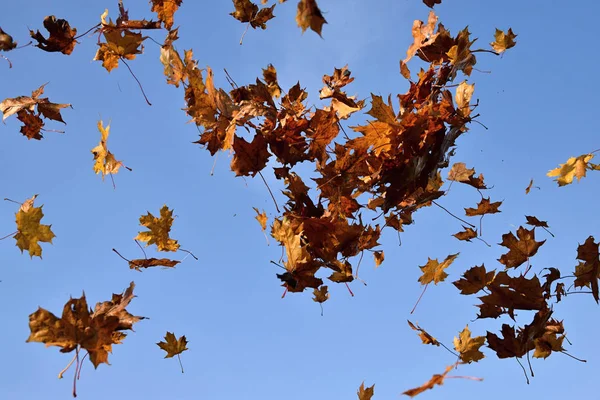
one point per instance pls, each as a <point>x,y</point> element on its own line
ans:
<point>245,341</point>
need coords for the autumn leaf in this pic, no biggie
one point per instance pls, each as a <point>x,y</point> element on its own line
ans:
<point>468,234</point>
<point>321,294</point>
<point>468,347</point>
<point>61,39</point>
<point>510,345</point>
<point>120,44</point>
<point>173,346</point>
<point>528,188</point>
<point>484,207</point>
<point>6,41</point>
<point>247,11</point>
<point>575,167</point>
<point>270,77</point>
<point>426,338</point>
<point>159,229</point>
<point>503,40</point>
<point>433,271</point>
<point>437,379</point>
<point>165,10</point>
<point>474,279</point>
<point>24,107</point>
<point>545,345</point>
<point>379,257</point>
<point>140,263</point>
<point>261,217</point>
<point>520,249</point>
<point>431,3</point>
<point>309,16</point>
<point>422,36</point>
<point>587,273</point>
<point>29,229</point>
<point>365,393</point>
<point>464,92</point>
<point>81,327</point>
<point>249,158</point>
<point>105,161</point>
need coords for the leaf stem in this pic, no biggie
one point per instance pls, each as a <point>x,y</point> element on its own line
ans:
<point>269,189</point>
<point>137,80</point>
<point>180,364</point>
<point>460,219</point>
<point>419,299</point>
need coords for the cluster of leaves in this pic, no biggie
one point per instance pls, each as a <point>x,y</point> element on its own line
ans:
<point>391,165</point>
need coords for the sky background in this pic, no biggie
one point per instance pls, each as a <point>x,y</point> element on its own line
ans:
<point>245,342</point>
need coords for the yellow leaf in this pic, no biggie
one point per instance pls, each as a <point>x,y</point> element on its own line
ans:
<point>159,230</point>
<point>29,229</point>
<point>105,160</point>
<point>575,167</point>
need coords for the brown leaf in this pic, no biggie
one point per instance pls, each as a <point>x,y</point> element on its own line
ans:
<point>309,16</point>
<point>165,10</point>
<point>321,294</point>
<point>468,347</point>
<point>61,39</point>
<point>519,249</point>
<point>379,257</point>
<point>431,3</point>
<point>503,41</point>
<point>510,345</point>
<point>587,273</point>
<point>433,271</point>
<point>468,234</point>
<point>474,280</point>
<point>6,41</point>
<point>484,207</point>
<point>249,158</point>
<point>173,346</point>
<point>261,217</point>
<point>365,393</point>
<point>437,379</point>
<point>119,44</point>
<point>426,338</point>
<point>140,263</point>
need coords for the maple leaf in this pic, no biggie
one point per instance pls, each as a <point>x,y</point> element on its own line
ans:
<point>120,44</point>
<point>426,338</point>
<point>545,345</point>
<point>467,234</point>
<point>249,158</point>
<point>24,107</point>
<point>61,39</point>
<point>431,3</point>
<point>468,347</point>
<point>484,207</point>
<point>528,188</point>
<point>321,294</point>
<point>587,273</point>
<point>309,15</point>
<point>474,279</point>
<point>261,217</point>
<point>514,293</point>
<point>575,167</point>
<point>105,160</point>
<point>270,77</point>
<point>503,41</point>
<point>460,54</point>
<point>6,41</point>
<point>165,10</point>
<point>437,379</point>
<point>29,230</point>
<point>464,92</point>
<point>433,271</point>
<point>365,393</point>
<point>379,257</point>
<point>510,345</point>
<point>247,11</point>
<point>159,229</point>
<point>140,263</point>
<point>173,346</point>
<point>422,35</point>
<point>79,327</point>
<point>519,249</point>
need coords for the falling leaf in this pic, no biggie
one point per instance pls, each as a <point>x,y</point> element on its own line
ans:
<point>528,188</point>
<point>468,234</point>
<point>587,273</point>
<point>426,338</point>
<point>79,327</point>
<point>464,92</point>
<point>379,257</point>
<point>431,3</point>
<point>365,393</point>
<point>261,217</point>
<point>309,16</point>
<point>503,41</point>
<point>105,161</point>
<point>321,294</point>
<point>468,347</point>
<point>437,379</point>
<point>249,158</point>
<point>159,229</point>
<point>140,263</point>
<point>474,279</point>
<point>29,229</point>
<point>520,249</point>
<point>165,10</point>
<point>173,346</point>
<point>247,11</point>
<point>433,271</point>
<point>575,167</point>
<point>120,44</point>
<point>61,39</point>
<point>6,41</point>
<point>484,207</point>
<point>510,345</point>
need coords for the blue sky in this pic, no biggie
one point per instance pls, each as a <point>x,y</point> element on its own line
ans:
<point>244,340</point>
